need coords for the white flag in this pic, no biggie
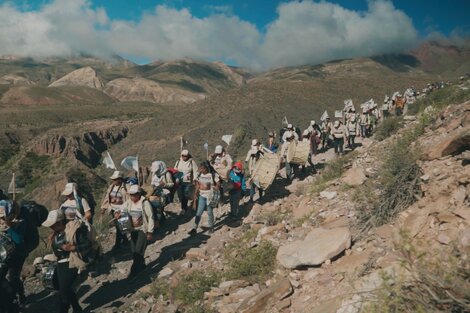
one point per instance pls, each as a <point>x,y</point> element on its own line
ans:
<point>284,121</point>
<point>183,143</point>
<point>206,146</point>
<point>12,186</point>
<point>324,116</point>
<point>108,161</point>
<point>130,163</point>
<point>227,139</point>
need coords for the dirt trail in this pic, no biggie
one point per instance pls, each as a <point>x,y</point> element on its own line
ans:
<point>110,291</point>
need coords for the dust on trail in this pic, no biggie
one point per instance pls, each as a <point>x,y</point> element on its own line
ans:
<point>111,290</point>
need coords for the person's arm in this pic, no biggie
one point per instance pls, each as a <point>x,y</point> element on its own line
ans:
<point>195,170</point>
<point>87,209</point>
<point>248,155</point>
<point>150,223</point>
<point>168,181</point>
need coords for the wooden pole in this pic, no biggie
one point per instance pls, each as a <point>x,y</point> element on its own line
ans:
<point>14,186</point>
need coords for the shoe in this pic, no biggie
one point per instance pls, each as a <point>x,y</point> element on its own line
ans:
<point>193,231</point>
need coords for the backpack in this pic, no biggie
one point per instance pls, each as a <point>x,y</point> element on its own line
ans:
<point>34,214</point>
<point>175,175</point>
<point>93,253</point>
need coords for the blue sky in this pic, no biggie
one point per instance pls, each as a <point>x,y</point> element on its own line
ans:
<point>254,33</point>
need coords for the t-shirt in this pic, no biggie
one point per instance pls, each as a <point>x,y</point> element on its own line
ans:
<point>70,208</point>
<point>207,180</point>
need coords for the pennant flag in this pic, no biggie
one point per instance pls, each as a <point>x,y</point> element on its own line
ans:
<point>338,114</point>
<point>227,139</point>
<point>12,186</point>
<point>131,163</point>
<point>324,116</point>
<point>183,143</point>
<point>284,121</point>
<point>108,161</point>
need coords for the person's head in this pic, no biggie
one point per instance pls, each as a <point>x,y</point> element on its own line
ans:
<point>55,220</point>
<point>117,178</point>
<point>271,135</point>
<point>204,167</point>
<point>218,150</point>
<point>313,123</point>
<point>185,155</point>
<point>290,127</point>
<point>254,143</point>
<point>306,133</point>
<point>353,118</point>
<point>327,118</point>
<point>336,124</point>
<point>69,190</point>
<point>134,193</point>
<point>158,168</point>
<point>238,167</point>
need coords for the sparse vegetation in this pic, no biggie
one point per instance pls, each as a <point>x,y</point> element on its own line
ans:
<point>191,287</point>
<point>438,282</point>
<point>272,218</point>
<point>441,98</point>
<point>333,170</point>
<point>388,127</point>
<point>252,264</point>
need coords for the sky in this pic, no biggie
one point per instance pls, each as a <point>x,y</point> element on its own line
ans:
<point>258,34</point>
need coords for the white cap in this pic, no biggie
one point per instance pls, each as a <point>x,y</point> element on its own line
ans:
<point>254,142</point>
<point>69,189</point>
<point>53,217</point>
<point>336,123</point>
<point>116,175</point>
<point>185,152</point>
<point>218,149</point>
<point>306,132</point>
<point>290,126</point>
<point>312,122</point>
<point>134,189</point>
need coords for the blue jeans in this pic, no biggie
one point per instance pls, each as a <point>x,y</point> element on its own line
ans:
<point>202,204</point>
<point>253,191</point>
<point>182,191</point>
<point>363,131</point>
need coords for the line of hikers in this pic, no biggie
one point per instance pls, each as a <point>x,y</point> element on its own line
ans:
<point>137,206</point>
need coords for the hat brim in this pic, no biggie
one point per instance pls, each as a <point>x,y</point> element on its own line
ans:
<point>67,193</point>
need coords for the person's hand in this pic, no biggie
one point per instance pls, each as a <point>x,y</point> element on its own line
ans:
<point>68,247</point>
<point>149,236</point>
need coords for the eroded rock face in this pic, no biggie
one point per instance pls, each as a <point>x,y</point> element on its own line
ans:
<point>141,89</point>
<point>267,298</point>
<point>86,148</point>
<point>455,143</point>
<point>85,76</point>
<point>319,245</point>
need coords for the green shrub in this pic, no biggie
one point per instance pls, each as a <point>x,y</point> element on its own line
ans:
<point>32,166</point>
<point>440,99</point>
<point>191,287</point>
<point>398,185</point>
<point>388,127</point>
<point>439,282</point>
<point>252,264</point>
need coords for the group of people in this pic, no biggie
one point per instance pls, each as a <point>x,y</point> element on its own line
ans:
<point>137,206</point>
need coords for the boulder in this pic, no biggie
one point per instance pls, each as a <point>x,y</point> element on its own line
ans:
<point>196,254</point>
<point>319,245</point>
<point>328,194</point>
<point>354,176</point>
<point>453,144</point>
<point>268,298</point>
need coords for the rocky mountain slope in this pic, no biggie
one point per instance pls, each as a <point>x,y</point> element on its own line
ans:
<point>85,76</point>
<point>322,243</point>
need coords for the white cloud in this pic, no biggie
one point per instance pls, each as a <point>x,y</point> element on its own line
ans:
<point>303,32</point>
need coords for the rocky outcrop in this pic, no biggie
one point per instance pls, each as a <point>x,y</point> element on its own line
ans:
<point>85,148</point>
<point>457,142</point>
<point>85,76</point>
<point>354,177</point>
<point>141,89</point>
<point>12,79</point>
<point>319,245</point>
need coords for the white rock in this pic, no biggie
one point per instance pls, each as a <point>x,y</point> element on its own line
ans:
<point>319,245</point>
<point>328,194</point>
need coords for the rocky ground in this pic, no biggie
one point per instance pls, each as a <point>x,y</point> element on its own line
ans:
<point>324,262</point>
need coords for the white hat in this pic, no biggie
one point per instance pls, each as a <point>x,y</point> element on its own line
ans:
<point>134,189</point>
<point>336,123</point>
<point>218,149</point>
<point>116,175</point>
<point>254,142</point>
<point>53,217</point>
<point>305,133</point>
<point>69,189</point>
<point>312,122</point>
<point>290,126</point>
<point>185,152</point>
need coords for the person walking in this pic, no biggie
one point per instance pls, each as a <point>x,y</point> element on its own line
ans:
<point>188,169</point>
<point>338,133</point>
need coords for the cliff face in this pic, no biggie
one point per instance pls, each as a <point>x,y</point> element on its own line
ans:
<point>85,148</point>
